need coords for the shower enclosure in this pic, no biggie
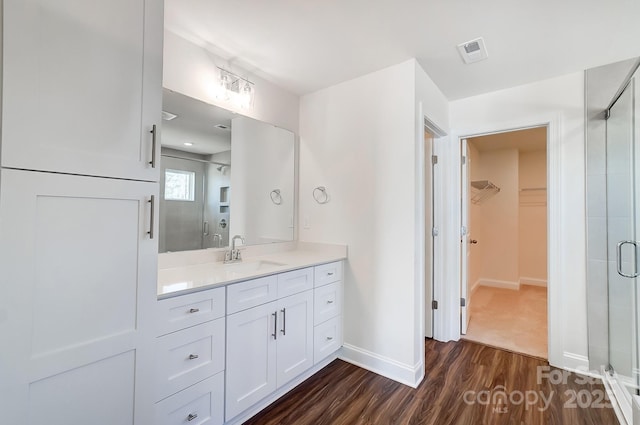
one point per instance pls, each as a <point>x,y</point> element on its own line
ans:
<point>616,194</point>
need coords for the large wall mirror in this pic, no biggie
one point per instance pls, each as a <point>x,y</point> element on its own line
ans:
<point>223,174</point>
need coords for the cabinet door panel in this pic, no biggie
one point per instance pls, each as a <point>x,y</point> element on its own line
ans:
<point>78,286</point>
<point>82,86</point>
<point>251,357</point>
<point>295,339</point>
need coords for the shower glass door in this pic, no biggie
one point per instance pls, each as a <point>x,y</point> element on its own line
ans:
<point>623,240</point>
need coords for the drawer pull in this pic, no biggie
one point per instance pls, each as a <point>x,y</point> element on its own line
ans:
<point>330,274</point>
<point>329,338</point>
<point>194,310</point>
<point>329,301</point>
<point>193,356</point>
<point>192,416</point>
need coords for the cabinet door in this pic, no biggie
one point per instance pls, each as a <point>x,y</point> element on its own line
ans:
<point>295,336</point>
<point>77,300</point>
<point>82,86</point>
<point>251,357</point>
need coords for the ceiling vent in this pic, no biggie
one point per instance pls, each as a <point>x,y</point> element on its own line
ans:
<point>473,50</point>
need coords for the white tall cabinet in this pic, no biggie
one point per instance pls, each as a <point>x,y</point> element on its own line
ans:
<point>81,93</point>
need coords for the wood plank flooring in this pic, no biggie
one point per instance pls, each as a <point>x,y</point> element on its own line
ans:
<point>465,384</point>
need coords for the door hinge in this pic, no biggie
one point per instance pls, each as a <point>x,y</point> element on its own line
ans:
<point>464,159</point>
<point>434,305</point>
<point>434,159</point>
<point>463,231</point>
<point>463,302</point>
<point>435,232</point>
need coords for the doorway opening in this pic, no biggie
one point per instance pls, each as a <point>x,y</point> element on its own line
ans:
<point>504,242</point>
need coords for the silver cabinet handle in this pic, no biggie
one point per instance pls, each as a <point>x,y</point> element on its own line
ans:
<point>329,301</point>
<point>619,258</point>
<point>275,324</point>
<point>193,356</point>
<point>194,310</point>
<point>329,338</point>
<point>154,140</point>
<point>152,201</point>
<point>330,274</point>
<point>192,416</point>
<point>284,321</point>
<point>205,228</point>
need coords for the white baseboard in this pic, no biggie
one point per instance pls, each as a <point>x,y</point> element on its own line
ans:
<point>389,368</point>
<point>577,363</point>
<point>532,281</point>
<point>475,285</point>
<point>505,284</point>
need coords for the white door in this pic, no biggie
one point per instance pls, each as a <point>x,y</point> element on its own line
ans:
<point>464,238</point>
<point>251,357</point>
<point>77,300</point>
<point>295,336</point>
<point>76,76</point>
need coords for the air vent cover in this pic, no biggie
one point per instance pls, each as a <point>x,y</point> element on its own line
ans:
<point>473,50</point>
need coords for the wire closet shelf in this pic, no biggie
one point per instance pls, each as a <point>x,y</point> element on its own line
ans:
<point>481,190</point>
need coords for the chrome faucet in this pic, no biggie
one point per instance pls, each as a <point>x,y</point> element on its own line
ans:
<point>233,255</point>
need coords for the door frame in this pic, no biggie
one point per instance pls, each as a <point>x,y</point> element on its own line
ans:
<point>465,217</point>
<point>452,293</point>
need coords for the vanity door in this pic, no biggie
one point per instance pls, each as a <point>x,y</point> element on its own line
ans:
<point>82,86</point>
<point>78,277</point>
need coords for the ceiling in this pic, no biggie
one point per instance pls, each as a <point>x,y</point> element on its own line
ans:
<point>529,140</point>
<point>304,45</point>
<point>195,123</point>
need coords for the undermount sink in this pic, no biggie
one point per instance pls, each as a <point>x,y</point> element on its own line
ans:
<point>251,266</point>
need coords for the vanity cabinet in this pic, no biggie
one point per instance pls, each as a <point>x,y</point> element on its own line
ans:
<point>269,344</point>
<point>190,354</point>
<point>327,310</point>
<point>82,86</point>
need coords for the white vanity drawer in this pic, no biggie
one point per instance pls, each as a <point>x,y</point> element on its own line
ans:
<point>328,273</point>
<point>327,338</point>
<point>186,357</point>
<point>327,302</point>
<point>191,309</point>
<point>244,295</point>
<point>201,404</point>
<point>294,282</point>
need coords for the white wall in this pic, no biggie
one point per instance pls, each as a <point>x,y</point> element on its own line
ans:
<point>193,71</point>
<point>533,218</point>
<point>359,139</point>
<point>499,218</point>
<point>560,101</point>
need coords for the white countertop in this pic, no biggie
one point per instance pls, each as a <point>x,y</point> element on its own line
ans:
<point>187,278</point>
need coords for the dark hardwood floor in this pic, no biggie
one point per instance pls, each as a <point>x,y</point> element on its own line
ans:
<point>465,383</point>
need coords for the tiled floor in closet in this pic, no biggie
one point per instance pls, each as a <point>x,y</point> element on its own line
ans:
<point>515,320</point>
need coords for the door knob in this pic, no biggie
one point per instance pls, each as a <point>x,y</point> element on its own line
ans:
<point>473,241</point>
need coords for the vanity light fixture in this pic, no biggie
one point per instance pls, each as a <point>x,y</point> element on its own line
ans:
<point>236,89</point>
